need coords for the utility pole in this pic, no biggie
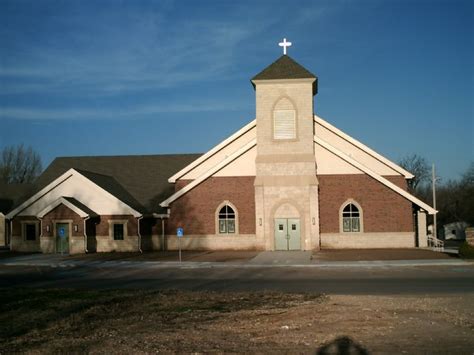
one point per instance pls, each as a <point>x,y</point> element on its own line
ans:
<point>435,232</point>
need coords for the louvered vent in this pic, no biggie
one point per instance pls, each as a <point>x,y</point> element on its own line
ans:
<point>284,124</point>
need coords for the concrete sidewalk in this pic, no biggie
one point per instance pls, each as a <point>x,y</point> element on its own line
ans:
<point>299,259</point>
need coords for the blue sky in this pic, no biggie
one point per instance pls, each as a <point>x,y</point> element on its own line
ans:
<point>154,77</point>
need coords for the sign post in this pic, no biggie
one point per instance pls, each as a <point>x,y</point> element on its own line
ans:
<point>179,234</point>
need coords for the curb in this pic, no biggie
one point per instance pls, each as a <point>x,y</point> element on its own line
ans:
<point>198,265</point>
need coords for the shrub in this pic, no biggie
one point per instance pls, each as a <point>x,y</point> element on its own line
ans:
<point>466,251</point>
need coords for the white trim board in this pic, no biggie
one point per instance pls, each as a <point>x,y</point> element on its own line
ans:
<point>209,173</point>
<point>374,175</point>
<point>213,151</point>
<point>65,202</point>
<point>363,147</point>
<point>58,181</point>
<point>41,193</point>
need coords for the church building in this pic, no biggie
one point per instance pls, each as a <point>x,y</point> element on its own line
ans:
<point>288,180</point>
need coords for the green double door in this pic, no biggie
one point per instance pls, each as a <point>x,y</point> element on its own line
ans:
<point>287,234</point>
<point>62,238</point>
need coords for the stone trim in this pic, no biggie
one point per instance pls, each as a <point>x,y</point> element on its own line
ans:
<point>368,240</point>
<point>286,158</point>
<point>361,217</point>
<point>124,222</point>
<point>216,218</point>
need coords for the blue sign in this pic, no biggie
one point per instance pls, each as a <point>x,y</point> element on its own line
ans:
<point>61,232</point>
<point>179,232</point>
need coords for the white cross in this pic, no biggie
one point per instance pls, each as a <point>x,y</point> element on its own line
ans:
<point>284,44</point>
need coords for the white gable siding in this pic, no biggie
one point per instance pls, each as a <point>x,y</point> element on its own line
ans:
<point>83,190</point>
<point>328,163</point>
<point>326,166</point>
<point>221,155</point>
<point>242,166</point>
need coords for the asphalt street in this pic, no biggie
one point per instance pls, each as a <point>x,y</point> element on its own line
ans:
<point>370,280</point>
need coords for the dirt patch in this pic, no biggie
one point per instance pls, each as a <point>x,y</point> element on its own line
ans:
<point>48,321</point>
<point>378,254</point>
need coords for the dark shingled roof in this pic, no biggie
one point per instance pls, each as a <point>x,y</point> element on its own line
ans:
<point>140,181</point>
<point>12,194</point>
<point>81,206</point>
<point>286,68</point>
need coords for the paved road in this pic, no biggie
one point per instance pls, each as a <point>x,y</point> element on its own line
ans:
<point>373,280</point>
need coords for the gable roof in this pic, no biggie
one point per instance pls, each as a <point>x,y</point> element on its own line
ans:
<point>70,202</point>
<point>140,181</point>
<point>12,194</point>
<point>374,175</point>
<point>363,147</point>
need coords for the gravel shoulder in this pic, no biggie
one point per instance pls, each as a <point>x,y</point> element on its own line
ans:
<point>137,321</point>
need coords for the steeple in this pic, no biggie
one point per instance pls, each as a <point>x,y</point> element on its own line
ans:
<point>283,68</point>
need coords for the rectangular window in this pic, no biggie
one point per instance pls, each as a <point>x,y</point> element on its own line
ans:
<point>30,231</point>
<point>346,224</point>
<point>230,226</point>
<point>118,231</point>
<point>222,226</point>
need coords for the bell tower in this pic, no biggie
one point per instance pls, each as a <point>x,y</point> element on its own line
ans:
<point>286,186</point>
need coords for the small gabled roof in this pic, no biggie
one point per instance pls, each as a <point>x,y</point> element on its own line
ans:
<point>286,67</point>
<point>70,202</point>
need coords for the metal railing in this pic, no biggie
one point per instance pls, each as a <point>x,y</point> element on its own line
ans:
<point>435,243</point>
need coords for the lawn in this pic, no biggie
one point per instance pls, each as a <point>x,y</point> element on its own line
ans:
<point>140,321</point>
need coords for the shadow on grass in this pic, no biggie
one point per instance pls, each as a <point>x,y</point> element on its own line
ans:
<point>342,346</point>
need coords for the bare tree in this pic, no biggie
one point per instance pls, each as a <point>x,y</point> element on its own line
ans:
<point>19,164</point>
<point>419,167</point>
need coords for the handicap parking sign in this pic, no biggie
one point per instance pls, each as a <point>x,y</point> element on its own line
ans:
<point>179,232</point>
<point>61,232</point>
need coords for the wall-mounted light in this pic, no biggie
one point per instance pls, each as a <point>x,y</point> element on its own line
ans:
<point>313,220</point>
<point>76,228</point>
<point>259,221</point>
<point>47,228</point>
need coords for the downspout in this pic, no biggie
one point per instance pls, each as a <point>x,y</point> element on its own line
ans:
<point>11,234</point>
<point>139,235</point>
<point>85,234</point>
<point>162,234</point>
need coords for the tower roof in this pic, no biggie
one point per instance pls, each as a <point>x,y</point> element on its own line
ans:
<point>286,68</point>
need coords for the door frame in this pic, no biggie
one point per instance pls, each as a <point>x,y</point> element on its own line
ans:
<point>287,229</point>
<point>62,221</point>
<point>271,223</point>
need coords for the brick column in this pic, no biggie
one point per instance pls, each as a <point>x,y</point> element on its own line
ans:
<point>470,236</point>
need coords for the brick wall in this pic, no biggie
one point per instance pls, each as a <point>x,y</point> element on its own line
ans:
<point>63,213</point>
<point>195,211</point>
<point>383,209</point>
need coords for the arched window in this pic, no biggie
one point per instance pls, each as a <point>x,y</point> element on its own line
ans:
<point>351,218</point>
<point>227,220</point>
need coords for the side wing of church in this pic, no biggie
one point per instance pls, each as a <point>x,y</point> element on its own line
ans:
<point>288,180</point>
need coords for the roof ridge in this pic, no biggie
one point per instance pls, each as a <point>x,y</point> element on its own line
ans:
<point>126,156</point>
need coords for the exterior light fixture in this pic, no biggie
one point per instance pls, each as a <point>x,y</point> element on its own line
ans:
<point>76,228</point>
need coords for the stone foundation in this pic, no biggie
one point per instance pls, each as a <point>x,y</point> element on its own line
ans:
<point>367,240</point>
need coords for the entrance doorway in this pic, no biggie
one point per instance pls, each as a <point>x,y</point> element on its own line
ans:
<point>62,238</point>
<point>287,234</point>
